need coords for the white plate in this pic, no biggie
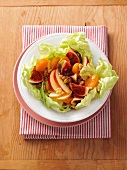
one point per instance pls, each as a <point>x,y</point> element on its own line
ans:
<point>37,106</point>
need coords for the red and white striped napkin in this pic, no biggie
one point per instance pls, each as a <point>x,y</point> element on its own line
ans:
<point>97,127</point>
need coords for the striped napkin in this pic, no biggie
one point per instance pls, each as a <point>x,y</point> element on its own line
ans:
<point>97,127</point>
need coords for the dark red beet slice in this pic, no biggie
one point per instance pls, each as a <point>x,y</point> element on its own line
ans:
<point>78,89</point>
<point>36,77</point>
<point>73,57</point>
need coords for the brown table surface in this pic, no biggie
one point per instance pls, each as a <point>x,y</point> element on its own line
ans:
<point>90,154</point>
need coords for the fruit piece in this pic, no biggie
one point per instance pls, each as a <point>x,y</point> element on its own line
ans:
<point>79,55</point>
<point>54,62</point>
<point>59,90</point>
<point>78,89</point>
<point>74,77</point>
<point>55,95</point>
<point>64,96</point>
<point>80,66</point>
<point>92,81</point>
<point>66,69</point>
<point>52,81</point>
<point>73,57</point>
<point>68,100</point>
<point>75,68</point>
<point>85,61</point>
<point>61,64</point>
<point>49,66</point>
<point>64,58</point>
<point>86,92</point>
<point>36,76</point>
<point>42,64</point>
<point>47,86</point>
<point>61,83</point>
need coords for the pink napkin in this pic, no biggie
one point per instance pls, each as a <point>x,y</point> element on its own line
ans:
<point>97,127</point>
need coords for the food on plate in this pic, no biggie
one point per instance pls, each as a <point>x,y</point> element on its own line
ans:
<point>64,77</point>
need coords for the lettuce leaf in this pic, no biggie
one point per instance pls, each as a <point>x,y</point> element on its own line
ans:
<point>107,77</point>
<point>46,50</point>
<point>49,51</point>
<point>103,68</point>
<point>77,41</point>
<point>87,99</point>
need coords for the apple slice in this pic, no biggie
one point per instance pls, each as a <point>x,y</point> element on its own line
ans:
<point>64,96</point>
<point>85,61</point>
<point>55,95</point>
<point>61,83</point>
<point>52,81</point>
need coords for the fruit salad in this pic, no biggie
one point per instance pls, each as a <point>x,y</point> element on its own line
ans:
<point>64,77</point>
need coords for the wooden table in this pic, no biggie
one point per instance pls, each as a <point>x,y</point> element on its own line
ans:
<point>90,154</point>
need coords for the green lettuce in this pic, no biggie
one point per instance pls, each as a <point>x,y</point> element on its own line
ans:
<point>50,51</point>
<point>87,99</point>
<point>104,68</point>
<point>107,77</point>
<point>46,50</point>
<point>77,41</point>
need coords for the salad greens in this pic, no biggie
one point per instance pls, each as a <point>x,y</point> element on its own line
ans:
<point>107,76</point>
<point>75,41</point>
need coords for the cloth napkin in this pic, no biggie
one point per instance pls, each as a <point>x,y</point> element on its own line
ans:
<point>97,127</point>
